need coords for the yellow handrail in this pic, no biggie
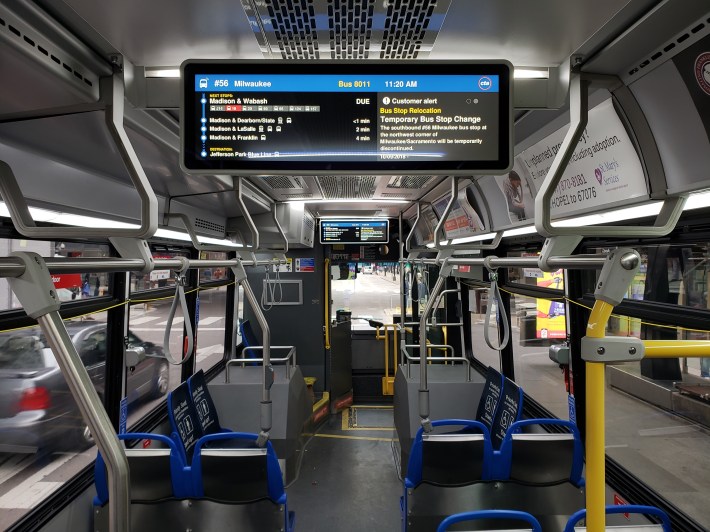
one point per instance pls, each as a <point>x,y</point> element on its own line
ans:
<point>595,447</point>
<point>676,348</point>
<point>386,339</point>
<point>327,303</point>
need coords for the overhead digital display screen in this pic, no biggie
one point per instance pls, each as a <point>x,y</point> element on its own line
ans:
<point>380,117</point>
<point>354,232</point>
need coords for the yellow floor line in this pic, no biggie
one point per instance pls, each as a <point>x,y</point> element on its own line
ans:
<point>343,437</point>
<point>345,419</point>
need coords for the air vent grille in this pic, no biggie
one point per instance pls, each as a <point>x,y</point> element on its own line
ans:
<point>43,52</point>
<point>346,29</point>
<point>405,28</point>
<point>395,195</point>
<point>308,223</point>
<point>281,182</point>
<point>201,223</point>
<point>297,196</point>
<point>350,28</point>
<point>347,187</point>
<point>294,23</point>
<point>682,41</point>
<point>409,181</point>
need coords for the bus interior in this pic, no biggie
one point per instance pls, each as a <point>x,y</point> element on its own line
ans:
<point>327,265</point>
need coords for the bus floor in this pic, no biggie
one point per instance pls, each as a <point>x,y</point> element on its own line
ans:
<point>348,480</point>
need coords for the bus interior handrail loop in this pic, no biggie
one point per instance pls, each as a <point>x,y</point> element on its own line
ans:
<point>283,236</point>
<point>179,299</point>
<point>112,90</point>
<point>247,217</point>
<point>502,319</point>
<point>445,215</point>
<point>417,220</point>
<point>579,114</point>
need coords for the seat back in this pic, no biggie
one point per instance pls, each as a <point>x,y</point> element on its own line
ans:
<point>228,467</point>
<point>664,525</point>
<point>490,397</point>
<point>510,408</point>
<point>156,473</point>
<point>248,336</point>
<point>488,515</point>
<point>186,428</point>
<point>451,459</point>
<point>542,458</point>
<point>204,406</point>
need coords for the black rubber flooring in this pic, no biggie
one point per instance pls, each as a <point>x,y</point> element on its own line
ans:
<point>348,480</point>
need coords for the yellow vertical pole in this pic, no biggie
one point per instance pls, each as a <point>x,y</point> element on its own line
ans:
<point>327,303</point>
<point>595,446</point>
<point>387,352</point>
<point>396,350</point>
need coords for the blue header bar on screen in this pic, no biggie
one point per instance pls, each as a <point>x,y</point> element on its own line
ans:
<point>348,225</point>
<point>348,83</point>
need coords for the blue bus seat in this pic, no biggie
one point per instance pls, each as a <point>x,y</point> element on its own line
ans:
<point>157,474</point>
<point>443,469</point>
<point>487,515</point>
<point>450,459</point>
<point>664,525</point>
<point>241,475</point>
<point>542,458</point>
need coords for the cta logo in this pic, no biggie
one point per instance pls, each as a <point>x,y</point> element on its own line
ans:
<point>485,84</point>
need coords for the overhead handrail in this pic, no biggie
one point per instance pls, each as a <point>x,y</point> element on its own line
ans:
<point>112,90</point>
<point>247,217</point>
<point>179,299</point>
<point>495,297</point>
<point>665,221</point>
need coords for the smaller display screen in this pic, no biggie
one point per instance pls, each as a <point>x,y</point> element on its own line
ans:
<point>354,232</point>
